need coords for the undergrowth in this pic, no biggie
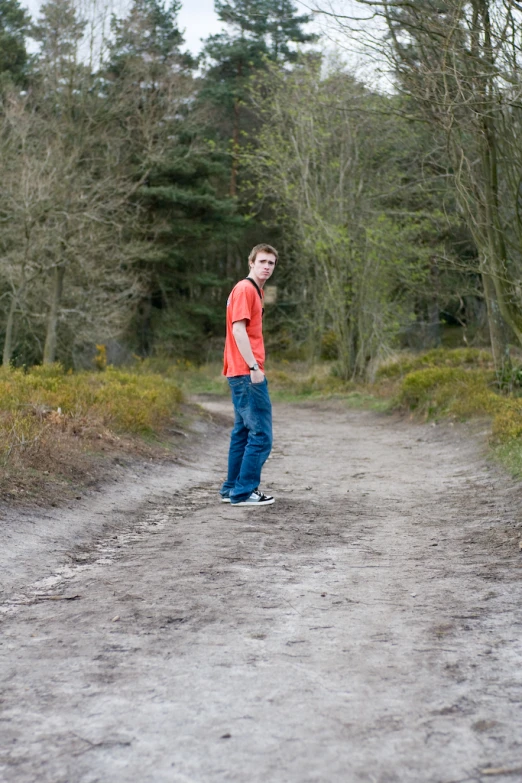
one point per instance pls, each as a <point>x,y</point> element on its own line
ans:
<point>51,420</point>
<point>288,381</point>
<point>436,357</point>
<point>461,384</point>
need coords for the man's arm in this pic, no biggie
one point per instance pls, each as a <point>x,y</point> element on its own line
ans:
<point>245,349</point>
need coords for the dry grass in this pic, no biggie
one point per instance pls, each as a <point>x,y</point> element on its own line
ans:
<point>461,384</point>
<point>59,430</point>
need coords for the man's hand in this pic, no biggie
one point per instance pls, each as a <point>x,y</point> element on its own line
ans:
<point>257,376</point>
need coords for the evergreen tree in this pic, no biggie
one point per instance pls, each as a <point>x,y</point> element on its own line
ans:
<point>59,32</point>
<point>148,36</point>
<point>184,218</point>
<point>259,30</point>
<point>14,26</point>
<point>273,24</point>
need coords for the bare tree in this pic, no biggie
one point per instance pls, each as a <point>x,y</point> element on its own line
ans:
<point>77,150</point>
<point>460,63</point>
<point>317,160</point>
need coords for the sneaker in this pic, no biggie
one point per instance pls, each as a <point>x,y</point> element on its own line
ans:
<point>225,498</point>
<point>257,498</point>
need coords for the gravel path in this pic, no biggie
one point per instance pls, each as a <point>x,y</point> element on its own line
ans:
<point>366,628</point>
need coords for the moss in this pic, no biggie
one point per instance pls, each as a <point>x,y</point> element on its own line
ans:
<point>507,423</point>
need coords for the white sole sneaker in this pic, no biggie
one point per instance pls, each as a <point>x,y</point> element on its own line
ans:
<point>256,499</point>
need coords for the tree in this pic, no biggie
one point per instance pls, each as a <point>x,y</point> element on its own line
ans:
<point>261,30</point>
<point>14,27</point>
<point>147,40</point>
<point>460,64</point>
<point>184,218</point>
<point>321,164</point>
<point>65,259</point>
<point>69,206</point>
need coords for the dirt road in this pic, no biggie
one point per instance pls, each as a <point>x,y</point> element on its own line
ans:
<point>366,628</point>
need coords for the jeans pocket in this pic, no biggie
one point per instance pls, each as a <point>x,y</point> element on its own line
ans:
<point>237,380</point>
<point>260,397</point>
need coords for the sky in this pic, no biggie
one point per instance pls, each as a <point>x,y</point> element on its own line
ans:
<point>197,18</point>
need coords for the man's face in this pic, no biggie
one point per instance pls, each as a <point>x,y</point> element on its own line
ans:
<point>263,265</point>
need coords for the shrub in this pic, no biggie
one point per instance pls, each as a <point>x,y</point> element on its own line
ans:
<point>438,390</point>
<point>47,396</point>
<point>507,423</point>
<point>437,357</point>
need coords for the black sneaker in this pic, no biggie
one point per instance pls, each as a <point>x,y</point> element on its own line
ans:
<point>257,498</point>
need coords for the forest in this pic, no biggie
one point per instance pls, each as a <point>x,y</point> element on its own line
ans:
<point>135,178</point>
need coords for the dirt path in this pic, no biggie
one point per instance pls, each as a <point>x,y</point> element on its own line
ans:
<point>366,628</point>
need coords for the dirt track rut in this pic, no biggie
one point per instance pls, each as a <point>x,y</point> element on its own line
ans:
<point>366,628</point>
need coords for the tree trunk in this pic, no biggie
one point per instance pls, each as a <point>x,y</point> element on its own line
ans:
<point>9,330</point>
<point>235,152</point>
<point>235,140</point>
<point>434,336</point>
<point>49,354</point>
<point>498,331</point>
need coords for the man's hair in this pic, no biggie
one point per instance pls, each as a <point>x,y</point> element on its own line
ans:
<point>263,248</point>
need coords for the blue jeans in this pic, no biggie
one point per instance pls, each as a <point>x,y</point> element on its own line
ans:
<point>251,438</point>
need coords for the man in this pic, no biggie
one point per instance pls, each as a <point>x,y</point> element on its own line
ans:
<point>251,438</point>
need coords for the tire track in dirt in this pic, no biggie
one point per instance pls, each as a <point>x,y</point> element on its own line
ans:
<point>364,628</point>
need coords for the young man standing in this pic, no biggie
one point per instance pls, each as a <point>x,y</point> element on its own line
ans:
<point>251,439</point>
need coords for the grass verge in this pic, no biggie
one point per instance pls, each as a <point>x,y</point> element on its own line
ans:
<point>460,384</point>
<point>59,430</point>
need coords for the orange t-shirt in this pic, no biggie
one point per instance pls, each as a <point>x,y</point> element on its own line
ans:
<point>244,303</point>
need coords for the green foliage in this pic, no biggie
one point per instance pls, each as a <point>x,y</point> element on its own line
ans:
<point>461,384</point>
<point>509,377</point>
<point>329,345</point>
<point>437,357</point>
<point>190,377</point>
<point>509,455</point>
<point>148,31</point>
<point>273,25</point>
<point>449,390</point>
<point>258,31</point>
<point>185,221</point>
<point>130,176</point>
<point>14,26</point>
<point>47,396</point>
<point>507,424</point>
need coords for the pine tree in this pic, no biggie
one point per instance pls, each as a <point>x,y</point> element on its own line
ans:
<point>184,218</point>
<point>59,31</point>
<point>259,29</point>
<point>148,37</point>
<point>272,22</point>
<point>14,26</point>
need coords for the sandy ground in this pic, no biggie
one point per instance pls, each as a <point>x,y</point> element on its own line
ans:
<point>366,627</point>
